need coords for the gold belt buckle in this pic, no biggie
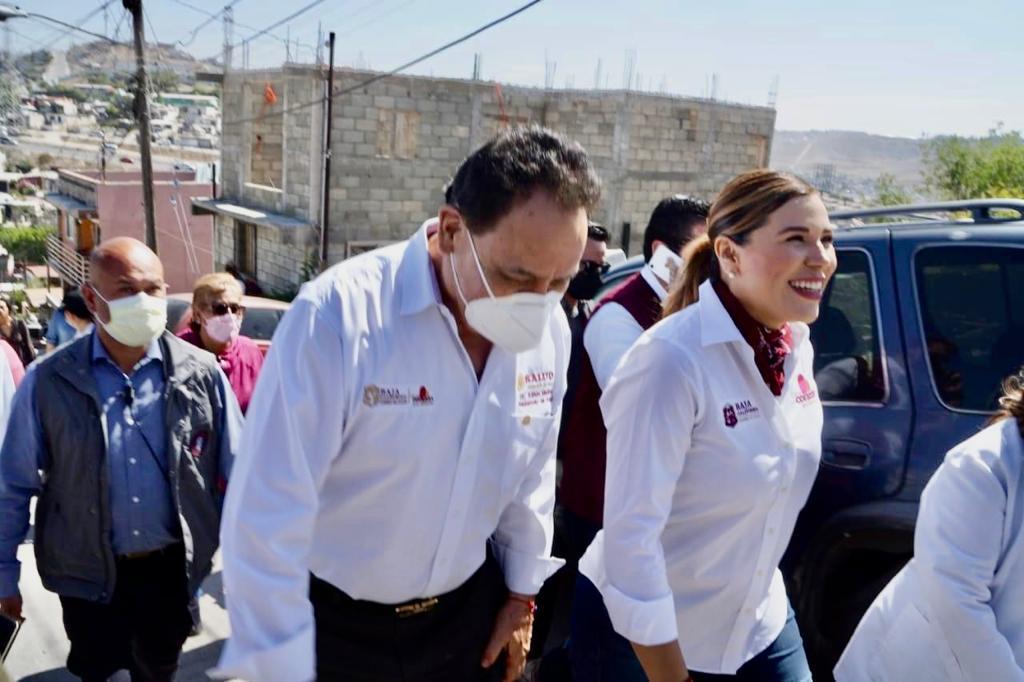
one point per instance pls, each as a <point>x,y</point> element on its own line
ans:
<point>416,608</point>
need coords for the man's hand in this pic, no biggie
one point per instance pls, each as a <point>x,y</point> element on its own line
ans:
<point>11,606</point>
<point>513,630</point>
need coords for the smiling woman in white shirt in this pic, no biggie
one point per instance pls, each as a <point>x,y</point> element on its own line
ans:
<point>956,611</point>
<point>714,437</point>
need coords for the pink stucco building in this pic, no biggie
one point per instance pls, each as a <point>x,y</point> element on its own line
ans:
<point>92,207</point>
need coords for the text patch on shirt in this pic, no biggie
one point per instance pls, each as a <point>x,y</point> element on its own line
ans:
<point>535,390</point>
<point>383,396</point>
<point>807,393</point>
<point>739,412</point>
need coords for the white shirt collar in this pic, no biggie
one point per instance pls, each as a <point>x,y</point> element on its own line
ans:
<point>416,281</point>
<point>653,281</point>
<point>717,325</point>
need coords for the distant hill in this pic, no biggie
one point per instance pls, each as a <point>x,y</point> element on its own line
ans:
<point>115,58</point>
<point>849,161</point>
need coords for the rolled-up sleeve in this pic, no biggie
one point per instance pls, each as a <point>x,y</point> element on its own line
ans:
<point>958,543</point>
<point>21,459</point>
<point>291,435</point>
<point>650,408</point>
<point>522,541</point>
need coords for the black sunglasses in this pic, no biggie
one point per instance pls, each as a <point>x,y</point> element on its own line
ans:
<point>223,308</point>
<point>589,265</point>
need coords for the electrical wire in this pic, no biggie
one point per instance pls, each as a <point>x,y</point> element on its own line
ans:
<point>217,15</point>
<point>288,18</point>
<point>72,27</point>
<point>212,18</point>
<point>59,34</point>
<point>392,72</point>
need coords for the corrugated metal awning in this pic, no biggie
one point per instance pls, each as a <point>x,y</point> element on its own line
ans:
<point>257,216</point>
<point>68,203</point>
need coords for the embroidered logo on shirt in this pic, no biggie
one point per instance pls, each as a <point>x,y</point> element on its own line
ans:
<point>742,411</point>
<point>807,394</point>
<point>423,397</point>
<point>534,390</point>
<point>730,416</point>
<point>374,396</point>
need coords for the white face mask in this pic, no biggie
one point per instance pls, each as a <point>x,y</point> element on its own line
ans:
<point>516,322</point>
<point>136,320</point>
<point>223,328</point>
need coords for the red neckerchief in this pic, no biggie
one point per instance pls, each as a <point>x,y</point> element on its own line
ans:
<point>771,346</point>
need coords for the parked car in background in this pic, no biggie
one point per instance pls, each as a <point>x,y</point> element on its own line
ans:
<point>259,323</point>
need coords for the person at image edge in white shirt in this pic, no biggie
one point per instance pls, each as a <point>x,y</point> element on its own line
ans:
<point>714,437</point>
<point>956,611</point>
<point>390,518</point>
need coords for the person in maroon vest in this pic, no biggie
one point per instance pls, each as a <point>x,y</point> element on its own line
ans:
<point>615,324</point>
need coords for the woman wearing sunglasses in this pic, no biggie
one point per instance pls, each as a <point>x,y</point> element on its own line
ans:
<point>217,313</point>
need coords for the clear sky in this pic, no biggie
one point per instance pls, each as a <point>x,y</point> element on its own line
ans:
<point>895,67</point>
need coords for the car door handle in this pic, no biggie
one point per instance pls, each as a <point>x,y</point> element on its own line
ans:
<point>846,454</point>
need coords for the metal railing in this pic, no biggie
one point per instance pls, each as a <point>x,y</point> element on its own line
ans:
<point>982,211</point>
<point>62,257</point>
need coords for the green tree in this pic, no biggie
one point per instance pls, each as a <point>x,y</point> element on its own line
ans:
<point>164,81</point>
<point>890,192</point>
<point>26,244</point>
<point>966,168</point>
<point>8,97</point>
<point>23,166</point>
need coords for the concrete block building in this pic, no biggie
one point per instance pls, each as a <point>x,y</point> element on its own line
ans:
<point>396,143</point>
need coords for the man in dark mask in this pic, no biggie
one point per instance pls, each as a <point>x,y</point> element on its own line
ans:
<point>587,282</point>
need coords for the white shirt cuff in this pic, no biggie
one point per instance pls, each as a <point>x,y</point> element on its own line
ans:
<point>525,573</point>
<point>293,659</point>
<point>648,623</point>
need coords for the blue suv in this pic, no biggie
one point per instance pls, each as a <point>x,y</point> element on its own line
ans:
<point>918,328</point>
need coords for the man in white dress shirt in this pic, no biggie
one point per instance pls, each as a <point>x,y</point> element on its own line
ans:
<point>390,515</point>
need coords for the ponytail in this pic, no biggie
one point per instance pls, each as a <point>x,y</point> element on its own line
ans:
<point>698,265</point>
<point>1011,404</point>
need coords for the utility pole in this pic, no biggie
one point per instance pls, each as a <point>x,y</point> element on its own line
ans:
<point>325,222</point>
<point>229,36</point>
<point>142,117</point>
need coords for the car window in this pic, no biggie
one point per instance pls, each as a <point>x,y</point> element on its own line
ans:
<point>972,314</point>
<point>175,309</point>
<point>260,323</point>
<point>847,349</point>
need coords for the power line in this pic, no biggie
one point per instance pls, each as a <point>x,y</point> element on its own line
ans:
<point>212,18</point>
<point>288,18</point>
<point>217,15</point>
<point>392,72</point>
<point>72,27</point>
<point>60,35</point>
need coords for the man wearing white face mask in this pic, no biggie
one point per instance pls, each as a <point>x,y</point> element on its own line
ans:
<point>391,517</point>
<point>127,436</point>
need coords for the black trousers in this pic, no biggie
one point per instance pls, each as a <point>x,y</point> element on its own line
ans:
<point>424,641</point>
<point>143,627</point>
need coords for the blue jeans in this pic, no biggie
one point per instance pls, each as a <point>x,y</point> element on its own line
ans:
<point>599,654</point>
